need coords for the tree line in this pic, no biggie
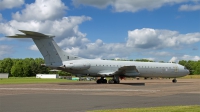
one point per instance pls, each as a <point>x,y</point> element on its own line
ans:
<point>193,66</point>
<point>30,67</point>
<point>23,67</point>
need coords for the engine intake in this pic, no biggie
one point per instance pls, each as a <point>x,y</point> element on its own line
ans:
<point>77,66</point>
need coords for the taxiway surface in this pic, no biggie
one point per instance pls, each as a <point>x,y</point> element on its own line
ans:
<point>84,96</point>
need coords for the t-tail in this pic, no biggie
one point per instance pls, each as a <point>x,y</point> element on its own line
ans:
<point>52,53</point>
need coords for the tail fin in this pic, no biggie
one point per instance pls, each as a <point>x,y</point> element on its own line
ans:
<point>52,53</point>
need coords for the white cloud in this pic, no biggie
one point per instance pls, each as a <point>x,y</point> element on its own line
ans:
<point>41,10</point>
<point>101,50</point>
<point>162,53</point>
<point>33,47</point>
<point>95,3</point>
<point>188,57</point>
<point>127,5</point>
<point>40,17</point>
<point>139,40</point>
<point>65,27</point>
<point>158,39</point>
<point>5,50</point>
<point>184,57</point>
<point>188,7</point>
<point>8,4</point>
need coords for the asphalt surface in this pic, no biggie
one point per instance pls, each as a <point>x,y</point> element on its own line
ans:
<point>85,96</point>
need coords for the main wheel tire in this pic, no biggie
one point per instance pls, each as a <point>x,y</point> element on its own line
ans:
<point>116,82</point>
<point>99,81</point>
<point>104,81</point>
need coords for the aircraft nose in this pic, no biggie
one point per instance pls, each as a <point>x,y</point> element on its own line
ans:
<point>188,72</point>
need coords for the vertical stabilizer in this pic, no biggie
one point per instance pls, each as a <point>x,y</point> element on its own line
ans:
<point>52,53</point>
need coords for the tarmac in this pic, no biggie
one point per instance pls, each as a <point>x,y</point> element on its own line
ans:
<point>87,95</point>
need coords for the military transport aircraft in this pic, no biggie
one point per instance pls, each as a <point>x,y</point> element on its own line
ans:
<point>56,58</point>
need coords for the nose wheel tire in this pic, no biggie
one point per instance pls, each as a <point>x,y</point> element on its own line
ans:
<point>174,80</point>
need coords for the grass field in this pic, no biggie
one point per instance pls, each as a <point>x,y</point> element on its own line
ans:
<point>195,108</point>
<point>191,77</point>
<point>26,80</point>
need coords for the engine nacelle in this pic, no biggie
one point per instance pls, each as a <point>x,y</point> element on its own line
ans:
<point>77,66</point>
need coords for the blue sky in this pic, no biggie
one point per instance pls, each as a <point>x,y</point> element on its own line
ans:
<point>159,30</point>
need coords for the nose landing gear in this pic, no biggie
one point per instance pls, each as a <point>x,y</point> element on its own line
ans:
<point>174,80</point>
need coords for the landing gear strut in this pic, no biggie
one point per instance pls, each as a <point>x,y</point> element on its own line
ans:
<point>115,80</point>
<point>174,80</point>
<point>101,81</point>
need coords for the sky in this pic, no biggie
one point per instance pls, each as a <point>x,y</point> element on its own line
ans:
<point>158,30</point>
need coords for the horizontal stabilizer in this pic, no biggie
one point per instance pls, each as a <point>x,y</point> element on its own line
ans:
<point>31,34</point>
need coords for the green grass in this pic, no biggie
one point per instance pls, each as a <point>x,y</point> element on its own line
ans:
<point>191,77</point>
<point>26,80</point>
<point>195,108</point>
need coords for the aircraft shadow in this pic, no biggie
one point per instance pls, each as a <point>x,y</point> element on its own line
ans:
<point>132,84</point>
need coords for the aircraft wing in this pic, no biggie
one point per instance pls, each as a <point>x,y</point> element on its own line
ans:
<point>128,71</point>
<point>125,70</point>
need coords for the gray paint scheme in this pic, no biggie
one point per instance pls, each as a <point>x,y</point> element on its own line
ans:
<point>56,58</point>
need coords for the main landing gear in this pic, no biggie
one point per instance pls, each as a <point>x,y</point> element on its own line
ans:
<point>114,80</point>
<point>174,80</point>
<point>101,81</point>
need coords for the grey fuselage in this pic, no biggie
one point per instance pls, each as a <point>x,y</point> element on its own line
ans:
<point>94,67</point>
<point>55,57</point>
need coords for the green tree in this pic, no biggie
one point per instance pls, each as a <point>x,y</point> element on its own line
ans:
<point>143,60</point>
<point>6,65</point>
<point>26,67</point>
<point>17,69</point>
<point>193,66</point>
